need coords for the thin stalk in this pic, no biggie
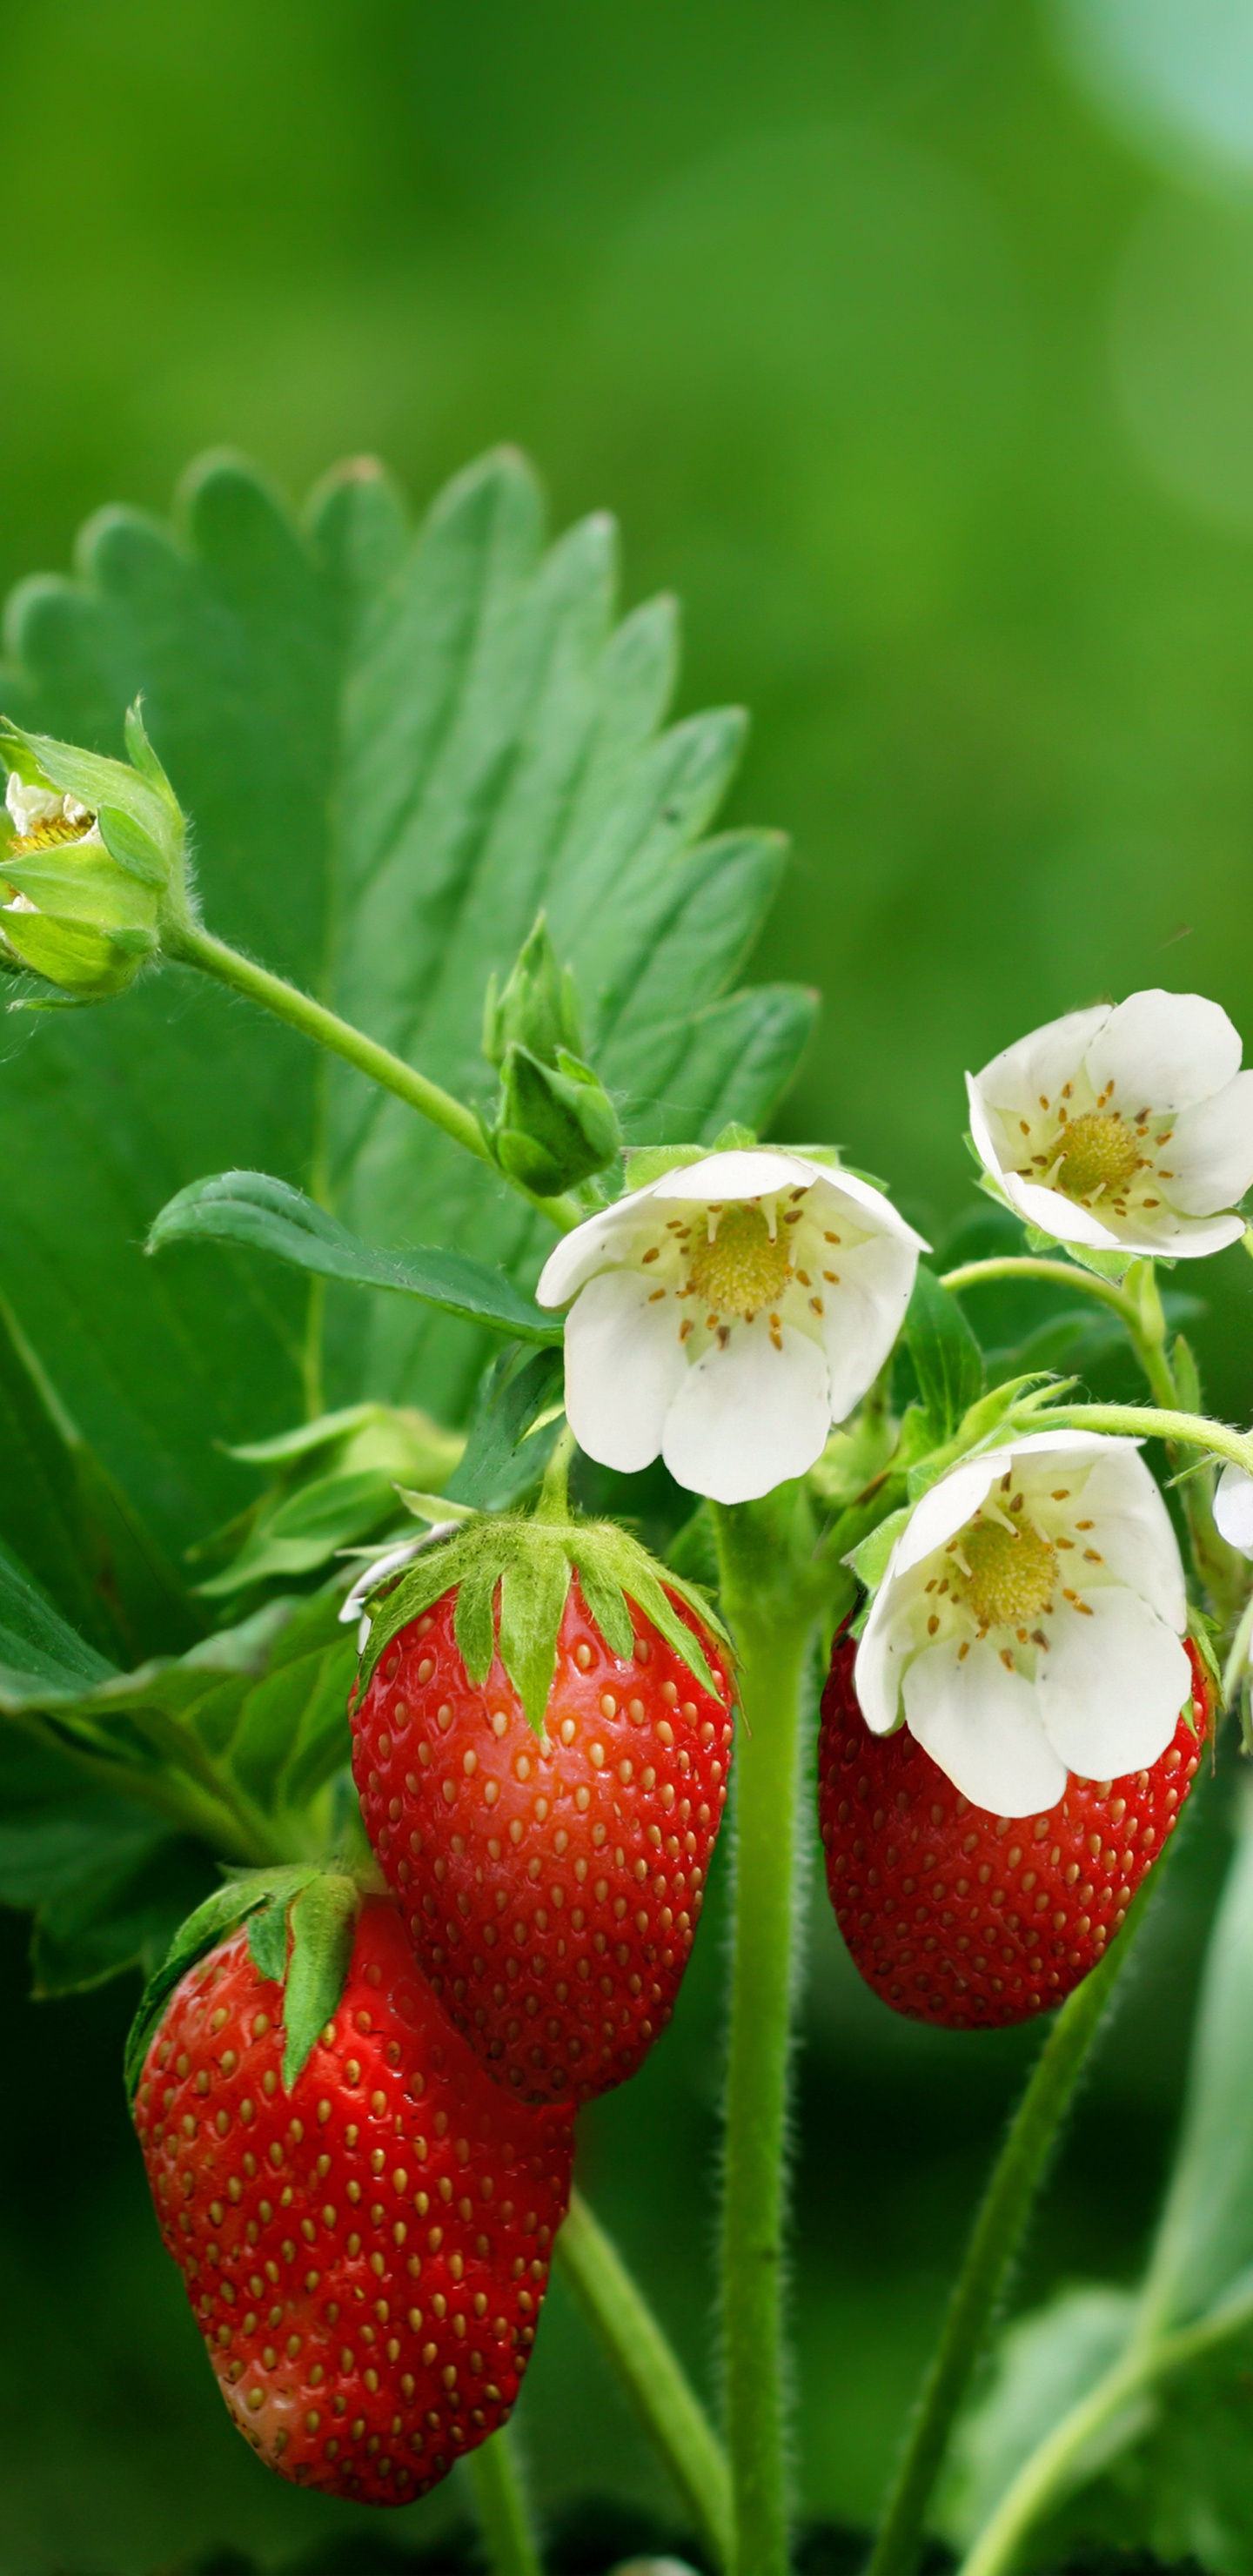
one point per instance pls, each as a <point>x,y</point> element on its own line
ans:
<point>1059,1274</point>
<point>191,945</point>
<point>652,2374</point>
<point>771,1630</point>
<point>1153,1422</point>
<point>994,2241</point>
<point>1057,2466</point>
<point>501,2506</point>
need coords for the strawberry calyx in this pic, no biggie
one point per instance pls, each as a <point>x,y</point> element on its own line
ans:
<point>512,1576</point>
<point>301,1922</point>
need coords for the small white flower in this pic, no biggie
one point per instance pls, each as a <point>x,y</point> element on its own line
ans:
<point>1124,1128</point>
<point>1233,1509</point>
<point>726,1315</point>
<point>1030,1620</point>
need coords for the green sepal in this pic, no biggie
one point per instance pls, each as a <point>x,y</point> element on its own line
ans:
<point>648,1163</point>
<point>555,1123</point>
<point>869,1561</point>
<point>1205,1634</point>
<point>533,1592</point>
<point>511,1577</point>
<point>267,1941</point>
<point>474,1619</point>
<point>96,781</point>
<point>1104,1265</point>
<point>220,1915</point>
<point>323,1923</point>
<point>538,1008</point>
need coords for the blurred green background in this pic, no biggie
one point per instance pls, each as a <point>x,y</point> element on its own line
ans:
<point>913,346</point>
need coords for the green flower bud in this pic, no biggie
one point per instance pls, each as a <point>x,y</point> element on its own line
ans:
<point>555,1123</point>
<point>539,1007</point>
<point>91,863</point>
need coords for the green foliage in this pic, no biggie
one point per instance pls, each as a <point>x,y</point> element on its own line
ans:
<point>337,1482</point>
<point>946,1357</point>
<point>1167,2464</point>
<point>496,745</point>
<point>250,1208</point>
<point>238,1740</point>
<point>266,1892</point>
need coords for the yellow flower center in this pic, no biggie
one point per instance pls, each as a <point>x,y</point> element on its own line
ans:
<point>51,833</point>
<point>1012,1573</point>
<point>744,1268</point>
<point>1100,1152</point>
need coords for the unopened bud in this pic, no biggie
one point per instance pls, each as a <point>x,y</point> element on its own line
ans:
<point>538,1008</point>
<point>555,1123</point>
<point>93,857</point>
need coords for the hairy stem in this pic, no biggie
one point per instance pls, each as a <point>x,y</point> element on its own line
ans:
<point>508,2543</point>
<point>193,946</point>
<point>994,2241</point>
<point>652,2373</point>
<point>1153,1422</point>
<point>771,1627</point>
<point>1059,1274</point>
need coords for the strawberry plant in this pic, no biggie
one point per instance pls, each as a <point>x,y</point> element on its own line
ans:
<point>590,1437</point>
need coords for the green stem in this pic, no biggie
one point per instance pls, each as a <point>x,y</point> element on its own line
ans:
<point>998,2228</point>
<point>1060,1274</point>
<point>502,2513</point>
<point>1152,1422</point>
<point>653,2375</point>
<point>771,1627</point>
<point>1057,2466</point>
<point>193,946</point>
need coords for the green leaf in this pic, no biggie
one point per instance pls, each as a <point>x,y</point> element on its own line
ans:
<point>232,1740</point>
<point>323,1921</point>
<point>105,1880</point>
<point>250,1208</point>
<point>1205,2240</point>
<point>1045,2363</point>
<point>511,1398</point>
<point>947,1360</point>
<point>339,1481</point>
<point>267,1940</point>
<point>496,746</point>
<point>74,1529</point>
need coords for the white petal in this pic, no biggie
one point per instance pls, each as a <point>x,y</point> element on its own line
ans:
<point>983,1124</point>
<point>1164,1051</point>
<point>1038,1065</point>
<point>748,1417</point>
<point>886,1644</point>
<point>945,1509</point>
<point>859,1202</point>
<point>1060,1216</point>
<point>742,1172</point>
<point>1111,1686</point>
<point>1233,1509</point>
<point>602,1238</point>
<point>1133,1533</point>
<point>624,1364</point>
<point>982,1725</point>
<point>863,1314</point>
<point>1211,1151</point>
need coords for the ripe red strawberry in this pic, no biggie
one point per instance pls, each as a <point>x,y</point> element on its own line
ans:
<point>968,1919</point>
<point>551,1884</point>
<point>367,2252</point>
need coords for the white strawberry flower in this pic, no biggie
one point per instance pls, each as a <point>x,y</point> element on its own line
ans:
<point>727,1314</point>
<point>43,817</point>
<point>1126,1127</point>
<point>1030,1622</point>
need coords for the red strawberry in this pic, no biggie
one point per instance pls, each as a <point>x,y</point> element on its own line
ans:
<point>968,1919</point>
<point>366,2253</point>
<point>551,1885</point>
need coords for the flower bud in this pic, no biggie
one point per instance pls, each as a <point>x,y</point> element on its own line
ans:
<point>92,858</point>
<point>555,1123</point>
<point>538,1008</point>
